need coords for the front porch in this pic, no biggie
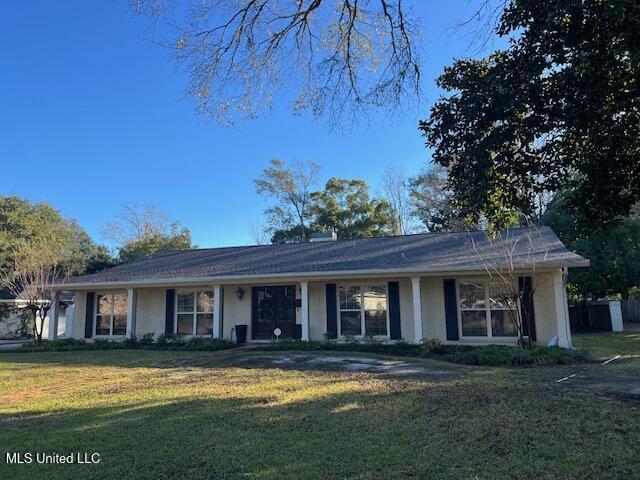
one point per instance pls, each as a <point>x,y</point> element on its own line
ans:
<point>302,309</point>
<point>388,308</point>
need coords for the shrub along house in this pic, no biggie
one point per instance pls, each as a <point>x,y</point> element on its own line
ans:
<point>410,287</point>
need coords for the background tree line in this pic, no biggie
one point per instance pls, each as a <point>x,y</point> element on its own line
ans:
<point>27,227</point>
<point>421,203</point>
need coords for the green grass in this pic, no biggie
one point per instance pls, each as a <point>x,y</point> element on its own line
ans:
<point>608,344</point>
<point>235,414</point>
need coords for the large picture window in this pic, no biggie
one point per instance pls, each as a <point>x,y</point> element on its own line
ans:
<point>194,312</point>
<point>111,314</point>
<point>486,310</point>
<point>363,310</point>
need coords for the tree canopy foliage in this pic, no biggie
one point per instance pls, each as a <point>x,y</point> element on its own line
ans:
<point>558,109</point>
<point>614,252</point>
<point>345,207</point>
<point>176,240</point>
<point>27,227</point>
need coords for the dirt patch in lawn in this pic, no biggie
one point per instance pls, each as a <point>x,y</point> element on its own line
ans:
<point>617,385</point>
<point>603,379</point>
<point>201,358</point>
<point>21,396</point>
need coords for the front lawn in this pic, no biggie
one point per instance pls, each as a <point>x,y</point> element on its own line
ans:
<point>608,344</point>
<point>239,414</point>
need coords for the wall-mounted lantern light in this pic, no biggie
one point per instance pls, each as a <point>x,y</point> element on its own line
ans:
<point>239,293</point>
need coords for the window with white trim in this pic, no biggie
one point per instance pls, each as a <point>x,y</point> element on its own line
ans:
<point>363,310</point>
<point>111,314</point>
<point>487,309</point>
<point>194,312</point>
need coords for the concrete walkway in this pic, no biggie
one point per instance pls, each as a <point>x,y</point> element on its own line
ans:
<point>350,363</point>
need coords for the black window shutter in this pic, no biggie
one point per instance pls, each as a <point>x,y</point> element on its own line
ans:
<point>332,311</point>
<point>526,307</point>
<point>88,316</point>
<point>394,311</point>
<point>168,318</point>
<point>451,308</point>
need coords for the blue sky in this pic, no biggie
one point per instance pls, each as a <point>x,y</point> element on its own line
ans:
<point>92,117</point>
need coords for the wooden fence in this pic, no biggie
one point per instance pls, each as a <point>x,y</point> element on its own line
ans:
<point>630,310</point>
<point>597,316</point>
<point>590,316</point>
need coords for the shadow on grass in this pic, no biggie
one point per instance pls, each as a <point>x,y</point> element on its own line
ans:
<point>303,360</point>
<point>336,436</point>
<point>391,430</point>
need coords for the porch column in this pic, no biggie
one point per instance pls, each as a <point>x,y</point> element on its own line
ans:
<point>562,317</point>
<point>69,317</point>
<point>417,309</point>
<point>217,310</point>
<point>304,288</point>
<point>53,317</point>
<point>132,306</point>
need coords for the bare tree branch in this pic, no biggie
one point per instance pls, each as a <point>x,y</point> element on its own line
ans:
<point>290,185</point>
<point>137,223</point>
<point>396,189</point>
<point>505,256</point>
<point>36,278</point>
<point>259,233</point>
<point>338,60</point>
<point>481,27</point>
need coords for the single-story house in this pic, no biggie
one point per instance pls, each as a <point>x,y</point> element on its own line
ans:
<point>442,286</point>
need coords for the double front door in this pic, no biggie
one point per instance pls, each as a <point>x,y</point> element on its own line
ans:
<point>274,307</point>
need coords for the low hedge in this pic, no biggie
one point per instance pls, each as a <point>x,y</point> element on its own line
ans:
<point>465,354</point>
<point>163,342</point>
<point>470,355</point>
<point>504,355</point>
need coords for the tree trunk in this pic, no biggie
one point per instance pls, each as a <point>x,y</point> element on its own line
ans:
<point>37,335</point>
<point>302,236</point>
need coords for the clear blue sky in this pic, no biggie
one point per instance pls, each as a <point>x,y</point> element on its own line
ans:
<point>92,118</point>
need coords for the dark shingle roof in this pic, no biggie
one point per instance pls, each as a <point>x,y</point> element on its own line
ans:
<point>436,252</point>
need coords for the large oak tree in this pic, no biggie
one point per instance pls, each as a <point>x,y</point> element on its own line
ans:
<point>559,108</point>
